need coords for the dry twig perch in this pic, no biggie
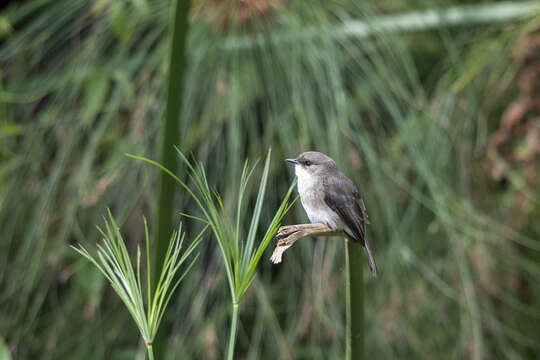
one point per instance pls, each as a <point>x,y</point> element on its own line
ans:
<point>287,236</point>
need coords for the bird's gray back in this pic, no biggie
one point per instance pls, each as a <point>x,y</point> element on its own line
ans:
<point>342,196</point>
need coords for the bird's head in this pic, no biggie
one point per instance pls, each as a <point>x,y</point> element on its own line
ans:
<point>313,163</point>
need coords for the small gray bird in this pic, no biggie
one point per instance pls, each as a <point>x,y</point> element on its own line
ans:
<point>331,198</point>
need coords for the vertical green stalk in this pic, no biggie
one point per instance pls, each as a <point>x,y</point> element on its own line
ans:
<point>354,285</point>
<point>171,135</point>
<point>179,25</point>
<point>232,335</point>
<point>150,352</point>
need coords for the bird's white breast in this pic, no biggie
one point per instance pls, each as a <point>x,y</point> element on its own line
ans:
<point>306,181</point>
<point>311,192</point>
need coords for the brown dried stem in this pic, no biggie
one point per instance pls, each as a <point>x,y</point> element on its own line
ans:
<point>287,236</point>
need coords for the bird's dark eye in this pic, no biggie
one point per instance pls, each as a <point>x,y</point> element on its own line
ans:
<point>307,163</point>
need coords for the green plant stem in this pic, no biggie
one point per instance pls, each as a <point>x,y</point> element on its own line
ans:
<point>178,29</point>
<point>150,352</point>
<point>405,22</point>
<point>171,133</point>
<point>232,336</point>
<point>354,301</point>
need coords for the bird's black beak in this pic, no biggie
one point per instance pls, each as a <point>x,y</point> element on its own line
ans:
<point>294,161</point>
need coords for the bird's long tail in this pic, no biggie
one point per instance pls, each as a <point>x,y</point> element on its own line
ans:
<point>371,259</point>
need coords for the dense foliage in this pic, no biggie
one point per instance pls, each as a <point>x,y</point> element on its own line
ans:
<point>437,124</point>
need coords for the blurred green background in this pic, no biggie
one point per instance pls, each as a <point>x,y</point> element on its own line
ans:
<point>434,114</point>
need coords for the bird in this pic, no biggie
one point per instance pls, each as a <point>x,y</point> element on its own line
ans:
<point>331,198</point>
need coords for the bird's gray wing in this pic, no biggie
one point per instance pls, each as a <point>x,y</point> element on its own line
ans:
<point>343,198</point>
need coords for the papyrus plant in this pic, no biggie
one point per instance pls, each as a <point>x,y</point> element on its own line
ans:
<point>240,253</point>
<point>113,260</point>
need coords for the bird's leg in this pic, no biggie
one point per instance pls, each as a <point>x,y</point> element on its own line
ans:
<point>287,236</point>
